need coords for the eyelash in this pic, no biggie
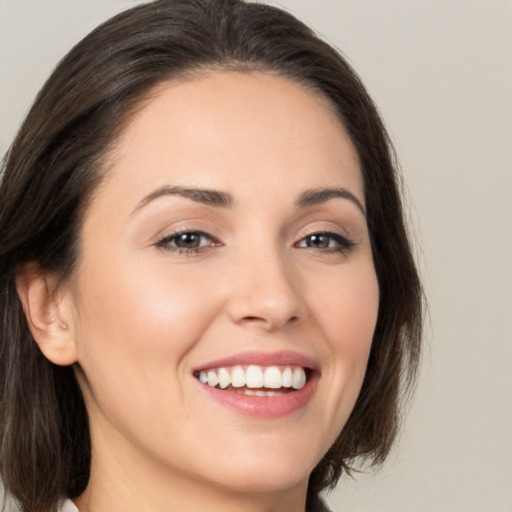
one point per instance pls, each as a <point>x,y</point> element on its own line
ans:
<point>343,244</point>
<point>165,242</point>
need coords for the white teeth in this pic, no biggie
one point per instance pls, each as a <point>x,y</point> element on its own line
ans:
<point>287,378</point>
<point>213,379</point>
<point>298,378</point>
<point>255,377</point>
<point>238,377</point>
<point>272,377</point>
<point>224,378</point>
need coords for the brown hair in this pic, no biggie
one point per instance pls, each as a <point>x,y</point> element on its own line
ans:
<point>55,164</point>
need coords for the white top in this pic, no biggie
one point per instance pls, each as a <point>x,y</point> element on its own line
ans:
<point>68,506</point>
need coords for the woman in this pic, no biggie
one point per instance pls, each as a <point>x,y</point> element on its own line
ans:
<point>208,294</point>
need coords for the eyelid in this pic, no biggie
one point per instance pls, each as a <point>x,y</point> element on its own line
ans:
<point>325,228</point>
<point>185,223</point>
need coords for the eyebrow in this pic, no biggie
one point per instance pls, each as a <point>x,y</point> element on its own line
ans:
<point>220,199</point>
<point>204,196</point>
<point>322,195</point>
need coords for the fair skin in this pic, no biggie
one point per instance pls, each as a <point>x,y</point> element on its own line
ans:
<point>269,274</point>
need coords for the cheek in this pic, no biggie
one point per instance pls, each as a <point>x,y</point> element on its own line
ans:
<point>139,318</point>
<point>347,314</point>
<point>347,307</point>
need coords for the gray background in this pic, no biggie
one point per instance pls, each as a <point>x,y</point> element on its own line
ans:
<point>441,73</point>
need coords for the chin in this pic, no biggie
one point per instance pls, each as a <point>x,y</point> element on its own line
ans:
<point>266,472</point>
<point>269,482</point>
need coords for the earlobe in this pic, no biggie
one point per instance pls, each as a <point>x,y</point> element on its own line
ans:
<point>48,315</point>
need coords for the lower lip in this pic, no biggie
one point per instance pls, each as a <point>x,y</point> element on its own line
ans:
<point>264,406</point>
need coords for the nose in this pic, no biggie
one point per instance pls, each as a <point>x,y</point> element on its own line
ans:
<point>265,293</point>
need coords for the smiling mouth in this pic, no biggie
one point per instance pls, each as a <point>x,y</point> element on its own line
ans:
<point>254,380</point>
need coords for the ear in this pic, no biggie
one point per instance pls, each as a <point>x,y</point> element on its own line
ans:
<point>49,314</point>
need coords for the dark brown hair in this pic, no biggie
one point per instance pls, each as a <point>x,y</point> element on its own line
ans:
<point>56,162</point>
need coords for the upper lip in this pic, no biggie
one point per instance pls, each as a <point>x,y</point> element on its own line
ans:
<point>282,358</point>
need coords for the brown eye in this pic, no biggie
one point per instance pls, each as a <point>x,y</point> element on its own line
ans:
<point>190,240</point>
<point>320,241</point>
<point>328,242</point>
<point>186,242</point>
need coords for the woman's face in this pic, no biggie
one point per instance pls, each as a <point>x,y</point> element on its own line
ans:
<point>228,243</point>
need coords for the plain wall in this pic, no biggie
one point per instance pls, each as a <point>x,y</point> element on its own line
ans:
<point>441,73</point>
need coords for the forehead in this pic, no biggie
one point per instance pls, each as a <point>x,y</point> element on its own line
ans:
<point>234,131</point>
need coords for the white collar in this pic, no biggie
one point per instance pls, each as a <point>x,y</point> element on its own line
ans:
<point>68,506</point>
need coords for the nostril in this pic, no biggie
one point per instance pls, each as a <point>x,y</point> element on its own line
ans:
<point>261,320</point>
